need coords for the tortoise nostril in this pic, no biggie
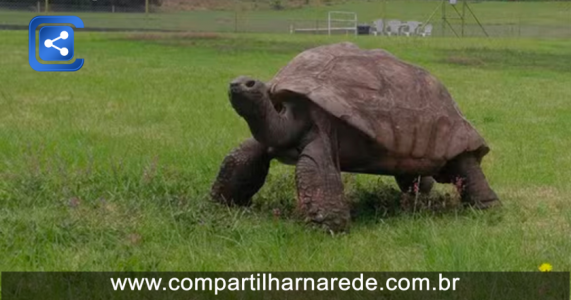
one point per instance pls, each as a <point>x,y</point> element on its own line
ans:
<point>250,83</point>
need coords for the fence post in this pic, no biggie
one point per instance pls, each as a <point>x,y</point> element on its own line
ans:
<point>147,7</point>
<point>47,4</point>
<point>519,25</point>
<point>384,14</point>
<point>443,19</point>
<point>39,7</point>
<point>236,7</point>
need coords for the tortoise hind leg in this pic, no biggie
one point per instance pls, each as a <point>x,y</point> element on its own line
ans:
<point>407,183</point>
<point>466,173</point>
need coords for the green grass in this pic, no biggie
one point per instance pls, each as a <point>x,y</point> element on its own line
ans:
<point>109,168</point>
<point>531,19</point>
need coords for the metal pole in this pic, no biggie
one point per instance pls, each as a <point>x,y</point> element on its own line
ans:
<point>443,18</point>
<point>47,4</point>
<point>478,21</point>
<point>329,24</point>
<point>432,14</point>
<point>147,7</point>
<point>519,26</point>
<point>236,19</point>
<point>463,15</point>
<point>236,14</point>
<point>452,28</point>
<point>39,7</point>
<point>356,25</point>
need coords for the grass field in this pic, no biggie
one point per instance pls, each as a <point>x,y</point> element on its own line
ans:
<point>109,168</point>
<point>503,19</point>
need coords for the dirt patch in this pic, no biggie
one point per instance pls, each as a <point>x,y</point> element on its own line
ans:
<point>464,61</point>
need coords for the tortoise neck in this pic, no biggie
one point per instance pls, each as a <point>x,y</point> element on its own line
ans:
<point>281,129</point>
<point>265,123</point>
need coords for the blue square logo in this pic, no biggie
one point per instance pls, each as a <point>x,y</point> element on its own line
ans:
<point>56,43</point>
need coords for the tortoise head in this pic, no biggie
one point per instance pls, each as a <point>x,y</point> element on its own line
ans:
<point>248,96</point>
<point>271,124</point>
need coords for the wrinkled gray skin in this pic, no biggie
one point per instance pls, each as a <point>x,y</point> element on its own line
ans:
<point>298,130</point>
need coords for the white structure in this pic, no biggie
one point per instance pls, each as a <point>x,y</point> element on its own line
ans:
<point>394,27</point>
<point>347,19</point>
<point>337,22</point>
<point>426,30</point>
<point>379,27</point>
<point>411,28</point>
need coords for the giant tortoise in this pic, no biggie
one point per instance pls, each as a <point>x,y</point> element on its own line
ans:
<point>338,108</point>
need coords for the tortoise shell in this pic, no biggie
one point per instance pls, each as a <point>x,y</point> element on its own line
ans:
<point>402,107</point>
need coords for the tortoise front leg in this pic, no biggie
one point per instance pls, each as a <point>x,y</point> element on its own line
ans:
<point>242,174</point>
<point>466,173</point>
<point>319,186</point>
